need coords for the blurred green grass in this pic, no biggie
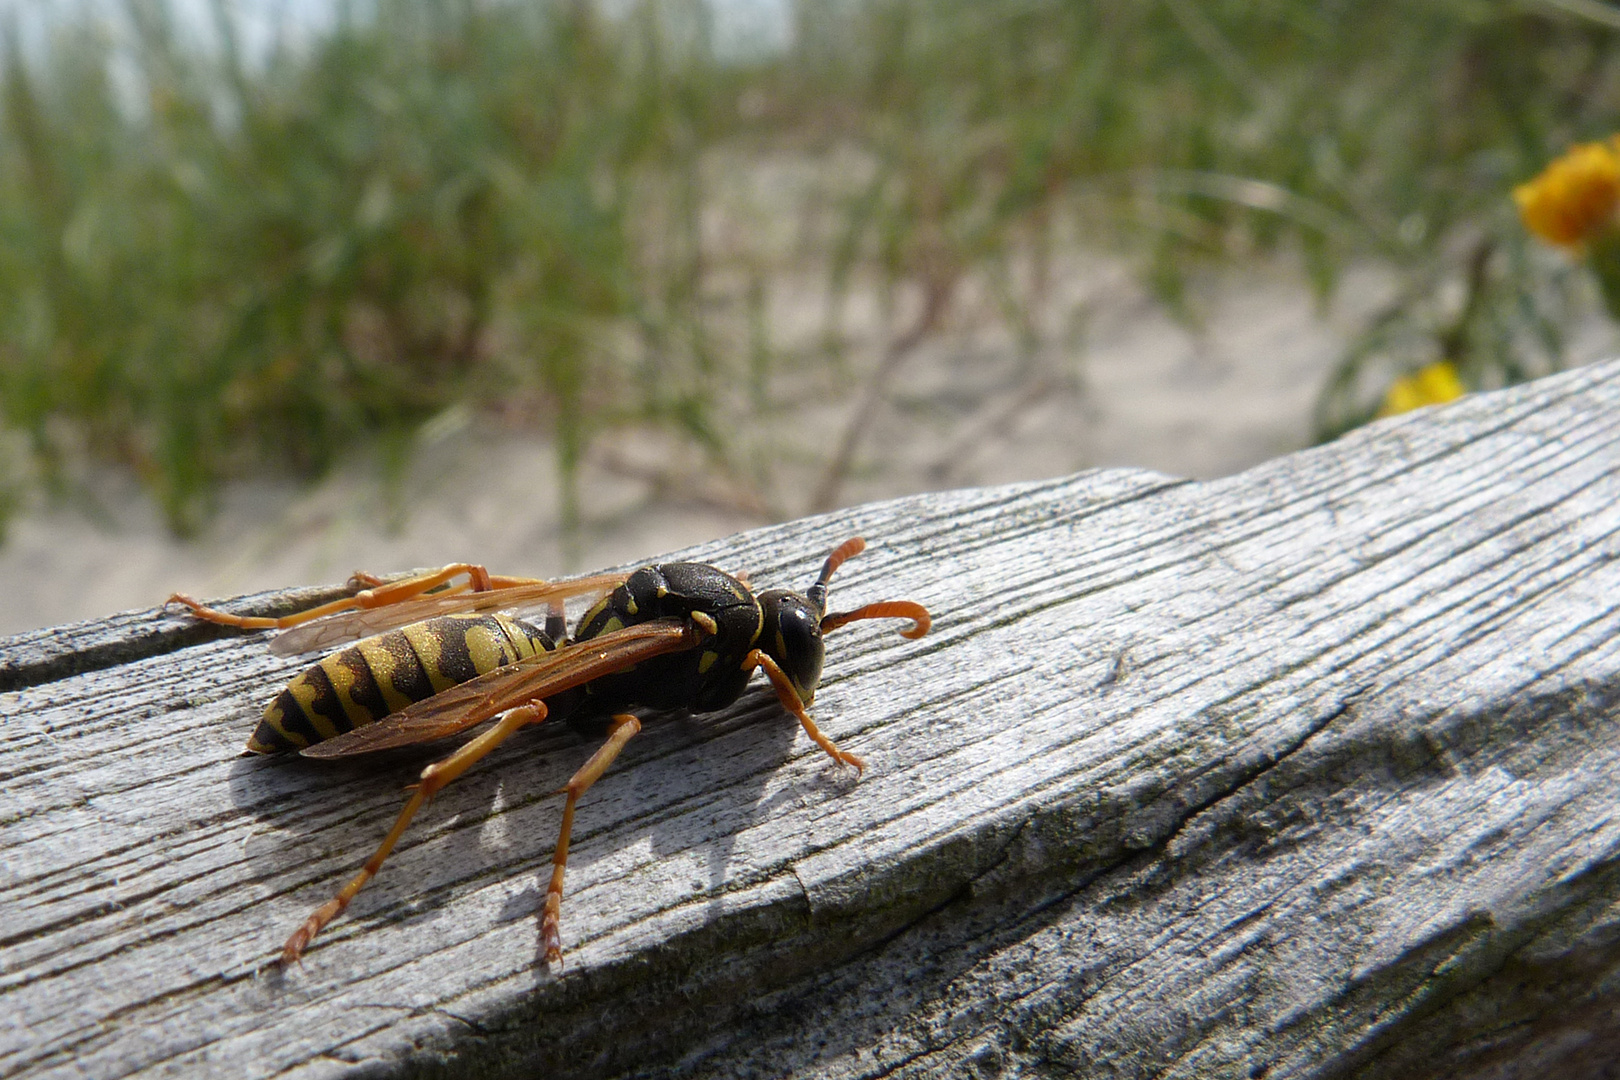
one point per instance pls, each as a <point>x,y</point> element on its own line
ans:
<point>217,265</point>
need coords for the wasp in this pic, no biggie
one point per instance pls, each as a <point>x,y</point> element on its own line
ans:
<point>442,656</point>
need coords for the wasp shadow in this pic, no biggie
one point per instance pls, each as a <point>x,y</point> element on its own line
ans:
<point>318,821</point>
<point>685,785</point>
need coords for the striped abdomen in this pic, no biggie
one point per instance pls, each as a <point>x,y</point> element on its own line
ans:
<point>383,674</point>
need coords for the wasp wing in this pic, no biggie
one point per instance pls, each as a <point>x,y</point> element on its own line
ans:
<point>324,634</point>
<point>495,692</point>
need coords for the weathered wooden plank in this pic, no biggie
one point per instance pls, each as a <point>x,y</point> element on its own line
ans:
<point>1309,771</point>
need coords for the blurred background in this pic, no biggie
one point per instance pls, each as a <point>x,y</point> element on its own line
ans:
<point>289,289</point>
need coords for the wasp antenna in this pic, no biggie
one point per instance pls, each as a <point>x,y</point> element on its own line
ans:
<point>847,550</point>
<point>885,609</point>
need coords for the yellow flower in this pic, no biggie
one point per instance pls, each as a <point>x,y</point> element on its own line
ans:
<point>1575,196</point>
<point>1432,385</point>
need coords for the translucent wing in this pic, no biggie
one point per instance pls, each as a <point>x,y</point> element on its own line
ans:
<point>540,676</point>
<point>325,634</point>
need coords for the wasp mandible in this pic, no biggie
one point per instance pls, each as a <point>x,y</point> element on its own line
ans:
<point>443,657</point>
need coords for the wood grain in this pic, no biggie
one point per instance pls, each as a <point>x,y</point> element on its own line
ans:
<point>1311,771</point>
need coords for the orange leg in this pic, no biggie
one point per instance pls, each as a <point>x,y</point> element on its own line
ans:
<point>362,580</point>
<point>434,777</point>
<point>379,595</point>
<point>790,701</point>
<point>501,581</point>
<point>624,728</point>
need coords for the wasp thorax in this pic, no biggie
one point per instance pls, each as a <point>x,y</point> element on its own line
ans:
<point>792,638</point>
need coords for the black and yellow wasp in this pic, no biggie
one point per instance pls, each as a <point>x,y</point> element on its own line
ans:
<point>444,657</point>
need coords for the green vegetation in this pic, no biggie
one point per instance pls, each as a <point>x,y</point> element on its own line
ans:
<point>225,264</point>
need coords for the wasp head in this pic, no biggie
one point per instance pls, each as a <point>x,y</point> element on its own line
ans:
<point>792,637</point>
<point>794,623</point>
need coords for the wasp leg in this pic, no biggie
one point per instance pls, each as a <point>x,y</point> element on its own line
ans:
<point>790,701</point>
<point>434,777</point>
<point>476,583</point>
<point>394,592</point>
<point>500,581</point>
<point>624,728</point>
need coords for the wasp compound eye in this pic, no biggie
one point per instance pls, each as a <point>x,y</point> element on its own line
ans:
<point>792,638</point>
